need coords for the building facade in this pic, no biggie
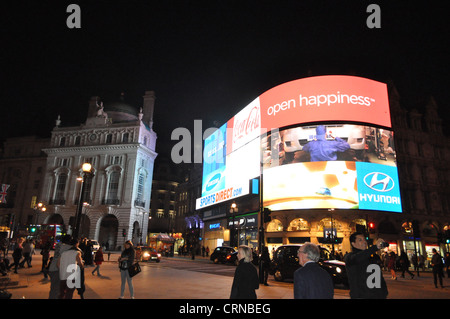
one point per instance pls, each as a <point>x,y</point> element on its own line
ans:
<point>119,142</point>
<point>22,168</point>
<point>421,149</point>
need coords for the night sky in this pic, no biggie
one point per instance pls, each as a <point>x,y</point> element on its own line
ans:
<point>207,59</point>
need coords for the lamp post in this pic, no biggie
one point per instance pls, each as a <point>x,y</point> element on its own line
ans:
<point>233,210</point>
<point>86,167</point>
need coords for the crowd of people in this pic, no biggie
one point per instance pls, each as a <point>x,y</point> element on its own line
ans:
<point>71,257</point>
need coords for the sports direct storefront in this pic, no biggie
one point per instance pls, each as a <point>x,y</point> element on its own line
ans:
<point>320,143</point>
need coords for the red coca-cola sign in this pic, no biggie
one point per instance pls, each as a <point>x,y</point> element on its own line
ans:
<point>245,126</point>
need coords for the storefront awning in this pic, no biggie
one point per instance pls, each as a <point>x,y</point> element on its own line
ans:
<point>164,237</point>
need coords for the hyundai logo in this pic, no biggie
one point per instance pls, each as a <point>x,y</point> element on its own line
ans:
<point>379,182</point>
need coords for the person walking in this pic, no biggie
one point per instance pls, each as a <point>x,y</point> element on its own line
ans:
<point>17,255</point>
<point>126,259</point>
<point>358,264</point>
<point>391,264</point>
<point>404,264</point>
<point>53,271</point>
<point>447,263</point>
<point>436,263</point>
<point>45,252</point>
<point>265,260</point>
<point>310,280</point>
<point>98,259</point>
<point>245,280</point>
<point>70,264</point>
<point>28,251</point>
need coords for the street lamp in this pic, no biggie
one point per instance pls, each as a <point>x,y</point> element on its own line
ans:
<point>233,210</point>
<point>86,167</point>
<point>39,207</point>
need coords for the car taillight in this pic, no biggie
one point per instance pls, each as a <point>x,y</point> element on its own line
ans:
<point>229,256</point>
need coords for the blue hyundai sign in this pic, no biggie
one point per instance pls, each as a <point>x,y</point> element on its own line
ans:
<point>378,187</point>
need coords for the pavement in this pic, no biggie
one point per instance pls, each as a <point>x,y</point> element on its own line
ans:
<point>164,282</point>
<point>151,283</point>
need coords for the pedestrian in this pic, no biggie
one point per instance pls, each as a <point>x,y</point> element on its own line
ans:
<point>447,263</point>
<point>98,259</point>
<point>28,250</point>
<point>45,252</point>
<point>422,262</point>
<point>415,262</point>
<point>436,263</point>
<point>391,264</point>
<point>207,251</point>
<point>404,264</point>
<point>17,255</point>
<point>45,270</point>
<point>265,260</point>
<point>87,253</point>
<point>53,270</point>
<point>246,279</point>
<point>310,280</point>
<point>126,259</point>
<point>70,264</point>
<point>357,264</point>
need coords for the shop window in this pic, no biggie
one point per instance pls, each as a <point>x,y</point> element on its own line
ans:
<point>274,226</point>
<point>298,224</point>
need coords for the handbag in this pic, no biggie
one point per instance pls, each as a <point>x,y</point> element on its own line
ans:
<point>134,269</point>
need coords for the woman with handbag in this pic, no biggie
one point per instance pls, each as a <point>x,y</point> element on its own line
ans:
<point>126,259</point>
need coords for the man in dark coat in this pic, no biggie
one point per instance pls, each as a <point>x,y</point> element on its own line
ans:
<point>310,280</point>
<point>361,269</point>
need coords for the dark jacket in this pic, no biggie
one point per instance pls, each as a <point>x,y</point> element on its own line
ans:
<point>312,282</point>
<point>127,258</point>
<point>245,281</point>
<point>357,263</point>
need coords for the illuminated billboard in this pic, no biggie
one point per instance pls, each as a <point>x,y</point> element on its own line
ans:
<point>320,142</point>
<point>331,166</point>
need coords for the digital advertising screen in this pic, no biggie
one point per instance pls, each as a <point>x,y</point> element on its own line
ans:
<point>331,166</point>
<point>320,142</point>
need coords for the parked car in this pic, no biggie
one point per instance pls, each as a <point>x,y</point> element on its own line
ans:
<point>95,245</point>
<point>221,253</point>
<point>285,263</point>
<point>144,253</point>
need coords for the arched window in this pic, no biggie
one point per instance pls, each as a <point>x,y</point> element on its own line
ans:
<point>274,226</point>
<point>298,224</point>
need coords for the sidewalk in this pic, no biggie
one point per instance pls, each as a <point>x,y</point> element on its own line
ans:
<point>152,283</point>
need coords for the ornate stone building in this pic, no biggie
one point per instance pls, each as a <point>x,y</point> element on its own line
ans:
<point>119,142</point>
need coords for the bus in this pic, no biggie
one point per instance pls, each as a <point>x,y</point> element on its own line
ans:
<point>51,233</point>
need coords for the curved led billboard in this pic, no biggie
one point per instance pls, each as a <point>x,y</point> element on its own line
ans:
<point>339,164</point>
<point>330,166</point>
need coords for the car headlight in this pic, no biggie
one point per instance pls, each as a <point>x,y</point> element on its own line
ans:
<point>146,255</point>
<point>159,255</point>
<point>338,270</point>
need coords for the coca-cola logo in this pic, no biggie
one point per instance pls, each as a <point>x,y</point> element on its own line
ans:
<point>247,125</point>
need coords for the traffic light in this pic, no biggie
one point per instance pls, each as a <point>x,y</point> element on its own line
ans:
<point>372,228</point>
<point>32,230</point>
<point>266,215</point>
<point>416,229</point>
<point>124,232</point>
<point>447,236</point>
